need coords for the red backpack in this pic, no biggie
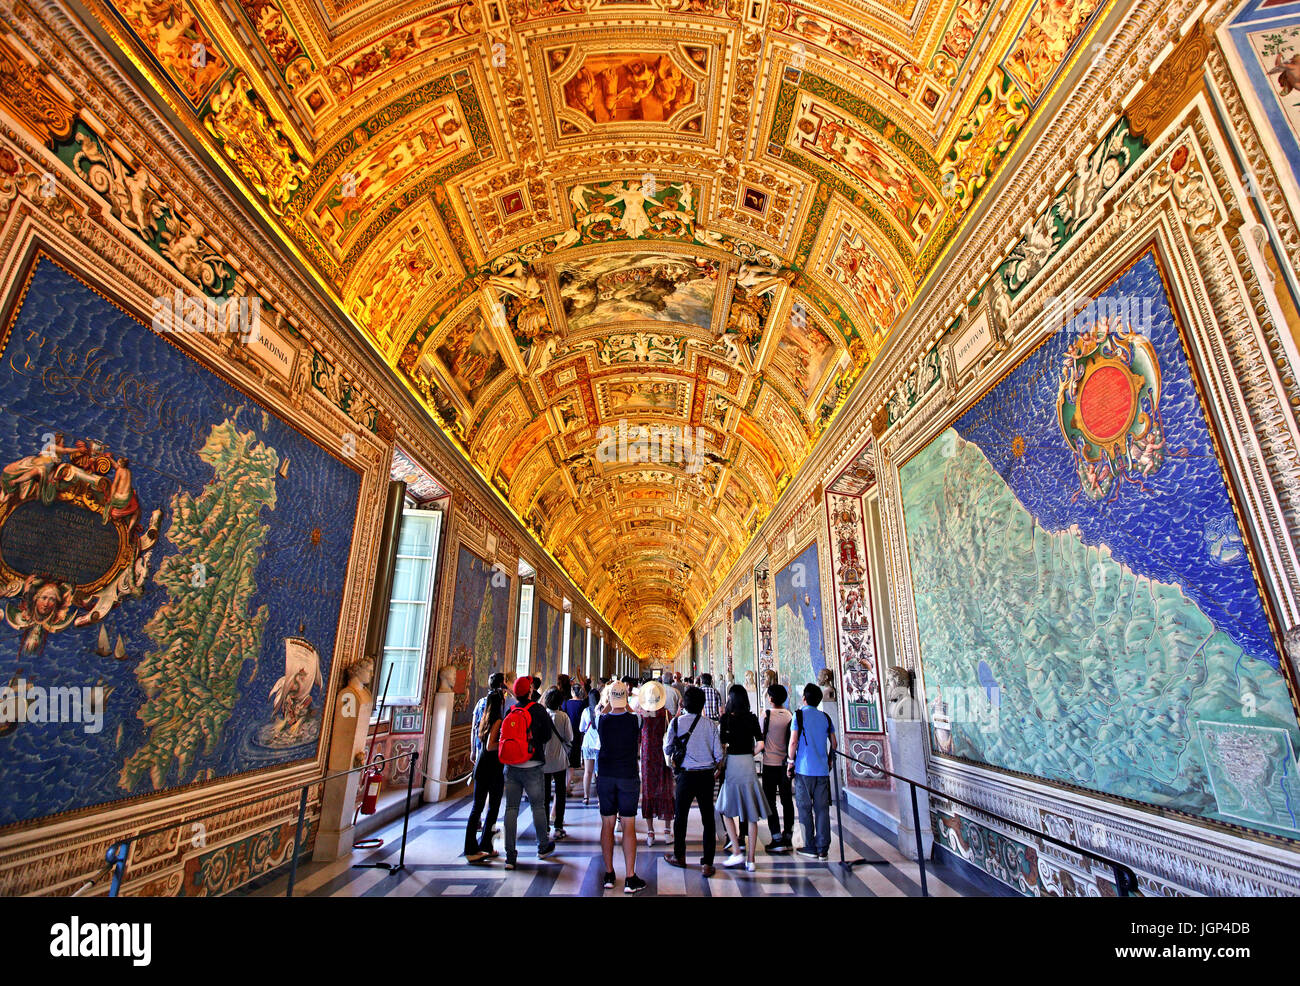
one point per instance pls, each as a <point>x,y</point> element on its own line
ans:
<point>516,743</point>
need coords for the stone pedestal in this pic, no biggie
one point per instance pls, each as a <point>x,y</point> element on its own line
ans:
<point>347,750</point>
<point>439,748</point>
<point>832,709</point>
<point>334,839</point>
<point>907,748</point>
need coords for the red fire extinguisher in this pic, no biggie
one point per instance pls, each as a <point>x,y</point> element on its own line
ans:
<point>373,780</point>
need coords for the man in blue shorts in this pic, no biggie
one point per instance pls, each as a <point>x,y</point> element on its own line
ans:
<point>618,784</point>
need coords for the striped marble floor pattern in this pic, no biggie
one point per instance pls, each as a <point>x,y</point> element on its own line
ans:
<point>435,867</point>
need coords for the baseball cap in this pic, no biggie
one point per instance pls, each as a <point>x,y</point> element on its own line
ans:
<point>618,695</point>
<point>653,696</point>
<point>523,687</point>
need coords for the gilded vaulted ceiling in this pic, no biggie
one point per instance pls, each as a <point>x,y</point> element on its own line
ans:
<point>571,226</point>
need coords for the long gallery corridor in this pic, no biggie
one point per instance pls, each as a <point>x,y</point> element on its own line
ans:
<point>782,412</point>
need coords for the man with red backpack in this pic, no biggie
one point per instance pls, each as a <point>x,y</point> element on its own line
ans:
<point>522,750</point>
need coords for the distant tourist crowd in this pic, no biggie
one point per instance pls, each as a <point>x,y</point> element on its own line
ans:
<point>656,747</point>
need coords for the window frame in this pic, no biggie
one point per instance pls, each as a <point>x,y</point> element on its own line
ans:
<point>421,662</point>
<point>524,633</point>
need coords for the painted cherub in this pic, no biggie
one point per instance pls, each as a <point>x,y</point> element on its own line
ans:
<point>1288,73</point>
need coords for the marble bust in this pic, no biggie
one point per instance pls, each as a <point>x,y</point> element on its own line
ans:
<point>447,678</point>
<point>898,694</point>
<point>360,674</point>
<point>826,682</point>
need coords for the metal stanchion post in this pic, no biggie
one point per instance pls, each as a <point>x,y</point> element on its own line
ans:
<point>297,841</point>
<point>406,820</point>
<point>839,814</point>
<point>406,817</point>
<point>920,851</point>
<point>839,808</point>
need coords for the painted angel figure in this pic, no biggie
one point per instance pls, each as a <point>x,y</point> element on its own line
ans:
<point>745,318</point>
<point>35,473</point>
<point>184,246</point>
<point>686,199</point>
<point>133,201</point>
<point>1288,73</point>
<point>578,198</point>
<point>1034,249</point>
<point>544,350</point>
<point>707,237</point>
<point>532,322</point>
<point>685,207</point>
<point>635,221</point>
<point>720,408</point>
<point>517,279</point>
<point>726,342</point>
<point>756,279</point>
<point>580,93</point>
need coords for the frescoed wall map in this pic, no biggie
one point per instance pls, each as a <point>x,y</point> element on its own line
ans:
<point>479,617</point>
<point>577,648</point>
<point>800,650</point>
<point>719,651</point>
<point>742,622</point>
<point>1087,611</point>
<point>548,650</point>
<point>163,539</point>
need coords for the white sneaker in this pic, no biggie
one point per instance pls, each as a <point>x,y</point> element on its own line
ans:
<point>750,867</point>
<point>734,860</point>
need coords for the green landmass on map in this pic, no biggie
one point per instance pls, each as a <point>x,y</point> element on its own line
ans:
<point>205,633</point>
<point>743,647</point>
<point>485,658</point>
<point>1105,679</point>
<point>794,647</point>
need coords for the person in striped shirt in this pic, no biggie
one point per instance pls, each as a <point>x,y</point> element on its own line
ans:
<point>712,700</point>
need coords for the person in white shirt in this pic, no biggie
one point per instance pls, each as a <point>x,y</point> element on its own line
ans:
<point>694,779</point>
<point>590,741</point>
<point>556,768</point>
<point>672,701</point>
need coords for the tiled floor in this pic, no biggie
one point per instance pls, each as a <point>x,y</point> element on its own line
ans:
<point>434,866</point>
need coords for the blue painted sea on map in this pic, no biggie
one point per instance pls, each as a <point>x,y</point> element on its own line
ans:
<point>1159,531</point>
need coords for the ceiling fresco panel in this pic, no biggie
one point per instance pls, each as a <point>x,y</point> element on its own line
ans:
<point>625,289</point>
<point>611,83</point>
<point>630,256</point>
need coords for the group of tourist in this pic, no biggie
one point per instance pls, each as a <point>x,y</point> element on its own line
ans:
<point>657,747</point>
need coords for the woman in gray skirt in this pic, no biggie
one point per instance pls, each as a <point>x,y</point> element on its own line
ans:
<point>741,798</point>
